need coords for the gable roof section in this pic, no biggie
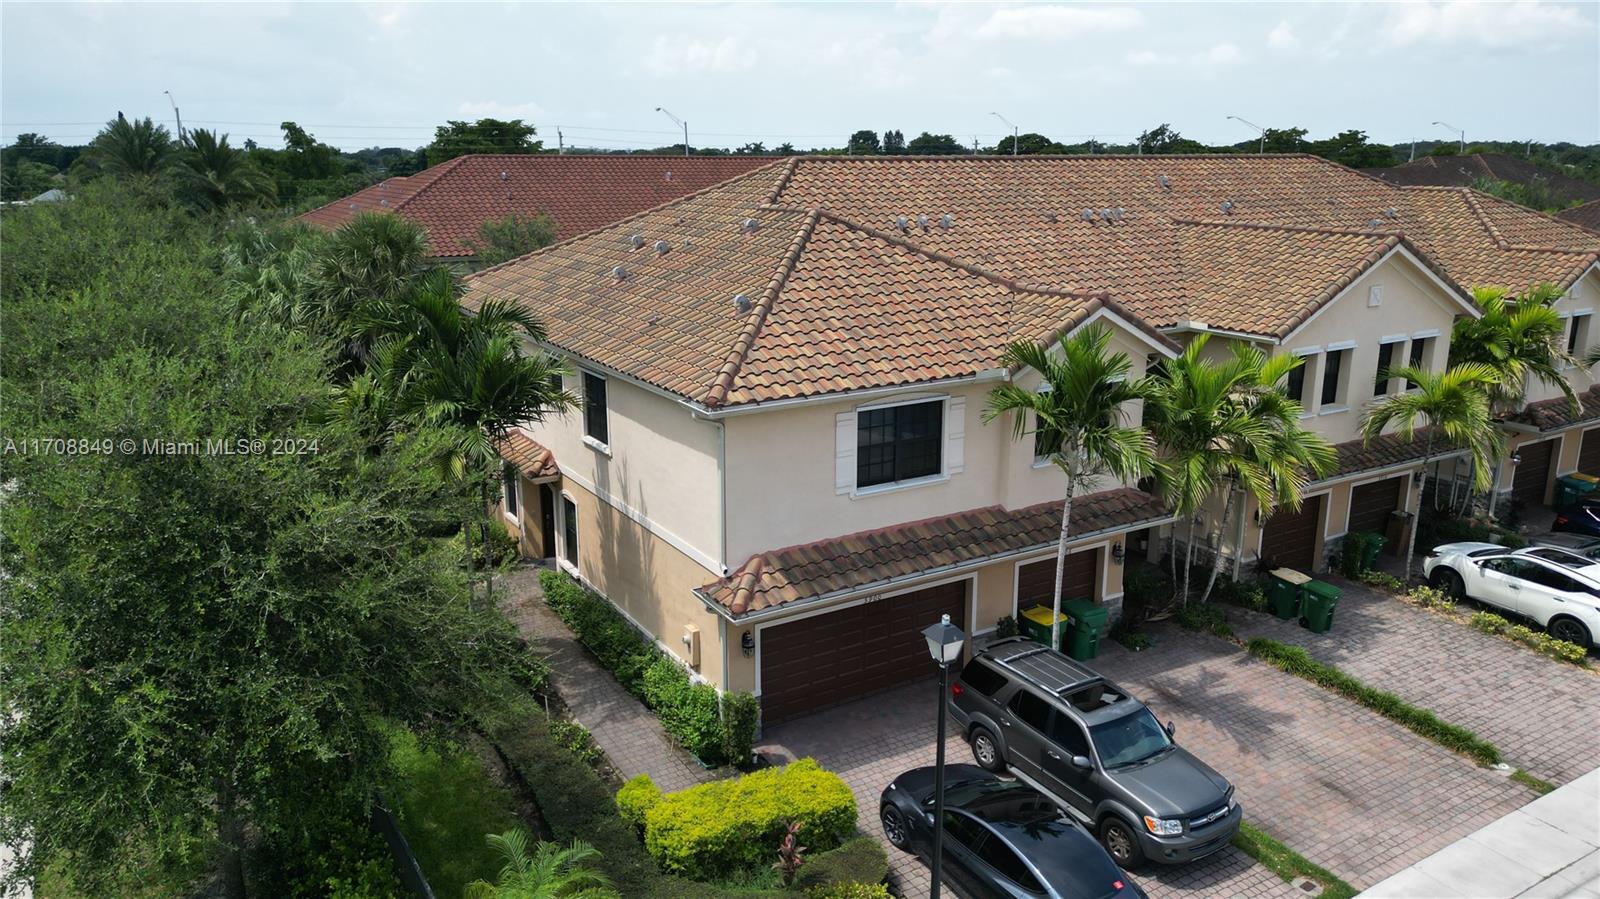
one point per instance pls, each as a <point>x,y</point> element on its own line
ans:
<point>1462,171</point>
<point>580,193</point>
<point>530,457</point>
<point>1482,241</point>
<point>1585,216</point>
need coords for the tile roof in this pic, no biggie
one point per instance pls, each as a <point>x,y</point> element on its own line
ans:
<point>1385,451</point>
<point>580,193</point>
<point>530,457</point>
<point>1556,413</point>
<point>873,558</point>
<point>1462,171</point>
<point>1585,216</point>
<point>855,278</point>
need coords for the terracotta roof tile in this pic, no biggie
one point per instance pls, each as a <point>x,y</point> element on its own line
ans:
<point>1462,171</point>
<point>1387,450</point>
<point>529,457</point>
<point>797,574</point>
<point>580,193</point>
<point>1554,413</point>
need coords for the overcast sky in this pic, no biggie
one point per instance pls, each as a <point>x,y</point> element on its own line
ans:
<point>385,74</point>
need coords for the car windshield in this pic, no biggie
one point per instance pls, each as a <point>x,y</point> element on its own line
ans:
<point>1129,739</point>
<point>1480,553</point>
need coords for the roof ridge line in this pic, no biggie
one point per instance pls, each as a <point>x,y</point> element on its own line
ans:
<point>783,180</point>
<point>445,168</point>
<point>1540,213</point>
<point>562,244</point>
<point>1299,229</point>
<point>723,382</point>
<point>335,202</point>
<point>1467,193</point>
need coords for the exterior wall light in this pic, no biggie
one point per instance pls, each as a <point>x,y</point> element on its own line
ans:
<point>747,644</point>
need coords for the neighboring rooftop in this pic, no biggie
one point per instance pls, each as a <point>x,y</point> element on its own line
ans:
<point>580,193</point>
<point>1462,171</point>
<point>1585,216</point>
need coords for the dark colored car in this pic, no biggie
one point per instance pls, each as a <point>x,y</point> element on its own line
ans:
<point>1002,838</point>
<point>1094,748</point>
<point>1582,517</point>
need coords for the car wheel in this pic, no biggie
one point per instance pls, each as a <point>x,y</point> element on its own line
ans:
<point>1449,581</point>
<point>895,829</point>
<point>1570,630</point>
<point>986,751</point>
<point>1119,839</point>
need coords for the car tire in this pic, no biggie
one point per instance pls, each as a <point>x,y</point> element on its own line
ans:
<point>1571,630</point>
<point>1448,580</point>
<point>986,750</point>
<point>896,829</point>
<point>1120,840</point>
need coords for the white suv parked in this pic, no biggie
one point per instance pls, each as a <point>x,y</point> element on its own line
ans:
<point>1556,588</point>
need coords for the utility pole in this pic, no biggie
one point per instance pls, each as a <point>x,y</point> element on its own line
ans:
<point>1460,131</point>
<point>1262,147</point>
<point>561,142</point>
<point>175,114</point>
<point>1413,151</point>
<point>1014,138</point>
<point>685,125</point>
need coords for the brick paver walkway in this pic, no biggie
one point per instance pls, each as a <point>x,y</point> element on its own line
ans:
<point>871,742</point>
<point>1348,789</point>
<point>1540,712</point>
<point>629,733</point>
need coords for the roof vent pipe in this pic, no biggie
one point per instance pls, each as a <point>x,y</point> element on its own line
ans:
<point>1107,214</point>
<point>749,226</point>
<point>503,176</point>
<point>620,273</point>
<point>901,223</point>
<point>636,240</point>
<point>1164,181</point>
<point>1392,212</point>
<point>1227,207</point>
<point>947,220</point>
<point>741,302</point>
<point>922,222</point>
<point>1375,223</point>
<point>1088,215</point>
<point>662,247</point>
<point>1119,212</point>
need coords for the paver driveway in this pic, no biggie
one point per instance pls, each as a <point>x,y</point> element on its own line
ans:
<point>1348,789</point>
<point>1540,712</point>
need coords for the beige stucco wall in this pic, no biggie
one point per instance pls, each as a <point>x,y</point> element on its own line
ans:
<point>1582,300</point>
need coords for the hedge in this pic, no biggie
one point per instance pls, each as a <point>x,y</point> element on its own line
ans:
<point>1295,660</point>
<point>729,825</point>
<point>1490,623</point>
<point>714,730</point>
<point>636,798</point>
<point>858,861</point>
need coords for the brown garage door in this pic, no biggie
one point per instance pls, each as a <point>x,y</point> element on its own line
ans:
<point>1290,539</point>
<point>1589,452</point>
<point>1370,504</point>
<point>826,660</point>
<point>1533,472</point>
<point>1035,579</point>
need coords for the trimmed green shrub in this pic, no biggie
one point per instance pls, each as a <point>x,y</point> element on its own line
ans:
<point>740,714</point>
<point>1383,581</point>
<point>1539,641</point>
<point>1430,598</point>
<point>1245,594</point>
<point>729,825</point>
<point>1005,626</point>
<point>636,798</point>
<point>576,739</point>
<point>1352,561</point>
<point>619,646</point>
<point>1207,618</point>
<point>1295,660</point>
<point>858,861</point>
<point>850,891</point>
<point>687,710</point>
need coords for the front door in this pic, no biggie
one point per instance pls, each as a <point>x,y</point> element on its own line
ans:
<point>547,521</point>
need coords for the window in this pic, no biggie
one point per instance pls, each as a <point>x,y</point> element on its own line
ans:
<point>1295,387</point>
<point>1067,734</point>
<point>1417,357</point>
<point>1031,709</point>
<point>556,384</point>
<point>508,487</point>
<point>1380,384</point>
<point>996,854</point>
<point>1578,336</point>
<point>899,443</point>
<point>569,531</point>
<point>982,676</point>
<point>594,409</point>
<point>1044,442</point>
<point>967,832</point>
<point>1334,368</point>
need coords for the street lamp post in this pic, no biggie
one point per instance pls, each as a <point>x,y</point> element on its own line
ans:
<point>1015,139</point>
<point>1262,148</point>
<point>681,122</point>
<point>1460,132</point>
<point>944,644</point>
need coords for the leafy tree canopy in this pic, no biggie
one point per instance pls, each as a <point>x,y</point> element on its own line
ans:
<point>863,143</point>
<point>894,143</point>
<point>515,235</point>
<point>926,144</point>
<point>454,139</point>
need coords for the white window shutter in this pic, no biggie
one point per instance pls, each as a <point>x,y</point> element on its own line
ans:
<point>955,435</point>
<point>844,452</point>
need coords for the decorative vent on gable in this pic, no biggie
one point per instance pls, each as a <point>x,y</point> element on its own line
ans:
<point>1375,295</point>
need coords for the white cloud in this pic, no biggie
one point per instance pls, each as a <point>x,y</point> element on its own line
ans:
<point>1282,37</point>
<point>678,55</point>
<point>1150,58</point>
<point>1484,24</point>
<point>1056,22</point>
<point>1223,55</point>
<point>494,109</point>
<point>1217,56</point>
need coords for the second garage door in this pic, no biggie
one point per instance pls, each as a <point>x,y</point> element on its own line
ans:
<point>1533,472</point>
<point>1079,578</point>
<point>1293,539</point>
<point>838,657</point>
<point>1370,505</point>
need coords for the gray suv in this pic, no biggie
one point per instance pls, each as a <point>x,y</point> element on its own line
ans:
<point>1097,751</point>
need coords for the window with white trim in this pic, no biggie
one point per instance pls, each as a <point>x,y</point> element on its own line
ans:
<point>1578,333</point>
<point>1380,384</point>
<point>569,531</point>
<point>1294,386</point>
<point>1418,357</point>
<point>899,443</point>
<point>595,425</point>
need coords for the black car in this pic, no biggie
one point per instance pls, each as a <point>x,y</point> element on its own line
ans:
<point>1582,517</point>
<point>1002,838</point>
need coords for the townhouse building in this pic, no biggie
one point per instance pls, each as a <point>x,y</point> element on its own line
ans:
<point>781,470</point>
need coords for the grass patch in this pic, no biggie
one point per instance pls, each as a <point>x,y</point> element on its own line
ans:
<point>1295,660</point>
<point>1207,618</point>
<point>1287,863</point>
<point>1536,784</point>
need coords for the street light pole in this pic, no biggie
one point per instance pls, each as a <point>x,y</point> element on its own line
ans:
<point>680,122</point>
<point>1262,148</point>
<point>175,114</point>
<point>1462,132</point>
<point>944,644</point>
<point>1015,139</point>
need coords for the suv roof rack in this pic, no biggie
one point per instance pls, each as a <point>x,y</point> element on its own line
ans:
<point>1043,667</point>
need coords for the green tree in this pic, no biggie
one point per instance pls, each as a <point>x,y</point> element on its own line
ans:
<point>1078,419</point>
<point>1521,338</point>
<point>863,143</point>
<point>27,179</point>
<point>1028,144</point>
<point>211,175</point>
<point>1163,140</point>
<point>550,871</point>
<point>926,144</point>
<point>1285,140</point>
<point>894,143</point>
<point>1449,409</point>
<point>515,235</point>
<point>139,148</point>
<point>1352,148</point>
<point>454,139</point>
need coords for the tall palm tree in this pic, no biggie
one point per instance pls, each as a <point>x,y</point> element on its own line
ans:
<point>1520,337</point>
<point>138,148</point>
<point>550,871</point>
<point>1077,418</point>
<point>212,175</point>
<point>1452,409</point>
<point>375,259</point>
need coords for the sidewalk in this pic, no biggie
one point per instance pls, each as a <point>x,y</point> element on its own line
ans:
<point>629,733</point>
<point>1548,849</point>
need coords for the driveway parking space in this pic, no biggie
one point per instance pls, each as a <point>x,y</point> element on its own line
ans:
<point>872,741</point>
<point>1539,711</point>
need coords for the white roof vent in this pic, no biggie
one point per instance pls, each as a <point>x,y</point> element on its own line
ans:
<point>749,226</point>
<point>384,201</point>
<point>1118,213</point>
<point>1392,212</point>
<point>352,205</point>
<point>1375,223</point>
<point>669,176</point>
<point>1164,181</point>
<point>1227,207</point>
<point>504,176</point>
<point>636,240</point>
<point>741,302</point>
<point>947,221</point>
<point>662,247</point>
<point>1107,214</point>
<point>620,273</point>
<point>922,222</point>
<point>901,223</point>
<point>1088,215</point>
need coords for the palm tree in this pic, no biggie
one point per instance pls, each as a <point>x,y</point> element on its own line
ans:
<point>1520,337</point>
<point>1076,417</point>
<point>139,148</point>
<point>551,871</point>
<point>1453,408</point>
<point>212,175</point>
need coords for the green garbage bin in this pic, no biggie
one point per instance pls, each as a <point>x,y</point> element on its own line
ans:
<point>1285,592</point>
<point>1569,489</point>
<point>1321,599</point>
<point>1373,546</point>
<point>1035,625</point>
<point>1087,621</point>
